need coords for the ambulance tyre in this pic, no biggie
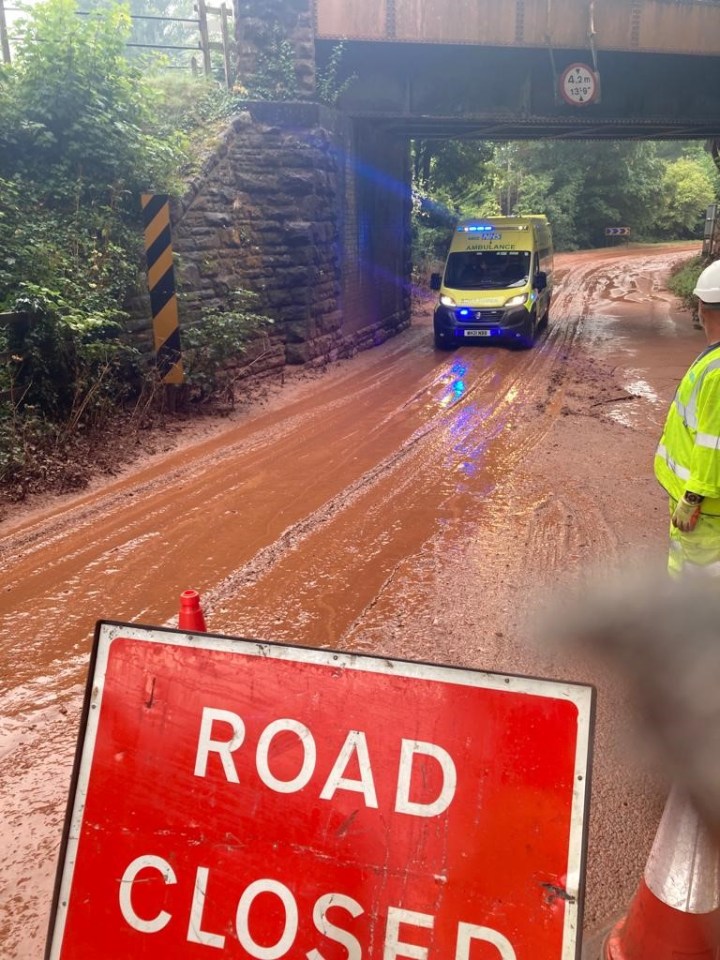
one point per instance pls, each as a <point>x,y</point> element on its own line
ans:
<point>527,341</point>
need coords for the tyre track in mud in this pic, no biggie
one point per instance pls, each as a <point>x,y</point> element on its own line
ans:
<point>443,474</point>
<point>108,556</point>
<point>552,528</point>
<point>385,509</point>
<point>470,594</point>
<point>313,582</point>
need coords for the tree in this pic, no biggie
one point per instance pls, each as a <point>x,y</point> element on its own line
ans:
<point>585,186</point>
<point>450,181</point>
<point>78,144</point>
<point>688,189</point>
<point>75,115</point>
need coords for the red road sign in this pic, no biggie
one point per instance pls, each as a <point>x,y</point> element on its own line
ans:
<point>249,800</point>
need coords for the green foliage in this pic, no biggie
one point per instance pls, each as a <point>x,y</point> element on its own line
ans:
<point>584,187</point>
<point>449,182</point>
<point>211,345</point>
<point>682,280</point>
<point>660,191</point>
<point>23,445</point>
<point>193,111</point>
<point>74,153</point>
<point>456,174</point>
<point>688,190</point>
<point>82,134</point>
<point>75,116</point>
<point>274,77</point>
<point>330,82</point>
<point>190,105</point>
<point>72,368</point>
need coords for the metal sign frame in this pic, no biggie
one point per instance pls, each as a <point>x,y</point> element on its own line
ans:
<point>556,698</point>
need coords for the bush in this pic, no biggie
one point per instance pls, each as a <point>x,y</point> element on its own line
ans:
<point>682,280</point>
<point>211,346</point>
<point>432,227</point>
<point>82,134</point>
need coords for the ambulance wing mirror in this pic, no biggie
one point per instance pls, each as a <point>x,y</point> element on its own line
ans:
<point>435,281</point>
<point>540,280</point>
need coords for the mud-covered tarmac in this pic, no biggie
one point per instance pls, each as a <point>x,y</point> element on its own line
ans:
<point>407,502</point>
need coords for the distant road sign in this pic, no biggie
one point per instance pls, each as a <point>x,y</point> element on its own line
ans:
<point>281,802</point>
<point>579,85</point>
<point>617,231</point>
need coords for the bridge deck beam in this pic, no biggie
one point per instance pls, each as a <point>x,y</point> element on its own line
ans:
<point>650,26</point>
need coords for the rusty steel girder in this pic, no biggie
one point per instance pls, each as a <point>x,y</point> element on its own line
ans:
<point>645,26</point>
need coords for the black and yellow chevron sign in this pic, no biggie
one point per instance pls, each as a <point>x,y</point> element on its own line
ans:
<point>161,283</point>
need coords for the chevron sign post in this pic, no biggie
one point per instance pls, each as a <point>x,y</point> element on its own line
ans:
<point>617,231</point>
<point>161,283</point>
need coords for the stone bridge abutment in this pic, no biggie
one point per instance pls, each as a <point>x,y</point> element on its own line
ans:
<point>302,205</point>
<point>310,210</point>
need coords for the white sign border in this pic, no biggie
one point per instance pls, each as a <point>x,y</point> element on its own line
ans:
<point>583,696</point>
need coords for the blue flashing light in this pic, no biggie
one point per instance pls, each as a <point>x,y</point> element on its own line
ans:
<point>476,228</point>
<point>464,312</point>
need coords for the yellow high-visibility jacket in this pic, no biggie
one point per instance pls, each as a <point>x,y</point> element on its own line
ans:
<point>688,455</point>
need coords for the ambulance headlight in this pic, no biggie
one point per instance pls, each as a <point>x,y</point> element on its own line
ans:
<point>517,301</point>
<point>447,301</point>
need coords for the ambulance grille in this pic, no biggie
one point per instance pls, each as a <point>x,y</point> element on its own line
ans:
<point>484,316</point>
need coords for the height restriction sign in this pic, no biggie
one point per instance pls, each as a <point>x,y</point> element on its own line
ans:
<point>240,799</point>
<point>579,85</point>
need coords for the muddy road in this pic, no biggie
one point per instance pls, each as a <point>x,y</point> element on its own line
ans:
<point>407,502</point>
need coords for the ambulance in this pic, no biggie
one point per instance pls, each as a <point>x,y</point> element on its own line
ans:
<point>497,282</point>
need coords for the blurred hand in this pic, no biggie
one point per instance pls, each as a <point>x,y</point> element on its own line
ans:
<point>663,637</point>
<point>685,516</point>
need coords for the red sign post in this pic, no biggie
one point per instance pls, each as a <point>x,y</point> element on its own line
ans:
<point>249,800</point>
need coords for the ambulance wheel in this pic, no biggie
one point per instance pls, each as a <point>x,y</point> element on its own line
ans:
<point>527,341</point>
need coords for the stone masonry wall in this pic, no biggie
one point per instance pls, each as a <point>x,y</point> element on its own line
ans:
<point>287,209</point>
<point>253,20</point>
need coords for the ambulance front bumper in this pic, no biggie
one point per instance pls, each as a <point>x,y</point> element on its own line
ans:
<point>474,323</point>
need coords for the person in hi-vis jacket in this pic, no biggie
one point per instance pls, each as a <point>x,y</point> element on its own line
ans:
<point>687,460</point>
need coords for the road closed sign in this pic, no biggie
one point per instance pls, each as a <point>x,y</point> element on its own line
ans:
<point>239,799</point>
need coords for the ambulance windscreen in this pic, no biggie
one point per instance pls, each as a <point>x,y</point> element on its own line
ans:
<point>487,269</point>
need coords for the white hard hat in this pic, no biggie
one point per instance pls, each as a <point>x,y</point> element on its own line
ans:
<point>707,287</point>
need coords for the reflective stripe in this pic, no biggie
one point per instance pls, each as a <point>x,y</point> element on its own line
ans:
<point>682,412</point>
<point>707,440</point>
<point>701,569</point>
<point>682,472</point>
<point>688,411</point>
<point>683,869</point>
<point>680,566</point>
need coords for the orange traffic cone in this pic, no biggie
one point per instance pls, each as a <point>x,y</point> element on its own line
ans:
<point>675,913</point>
<point>191,615</point>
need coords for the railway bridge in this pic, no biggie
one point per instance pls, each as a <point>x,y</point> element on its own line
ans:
<point>505,68</point>
<point>310,204</point>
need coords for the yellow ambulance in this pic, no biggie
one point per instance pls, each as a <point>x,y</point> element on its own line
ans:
<point>497,282</point>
